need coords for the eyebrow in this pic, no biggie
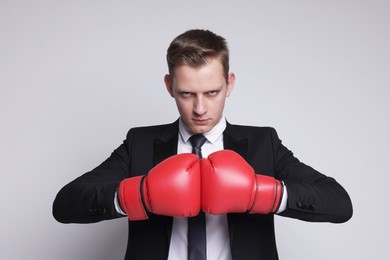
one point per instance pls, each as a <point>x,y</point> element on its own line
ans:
<point>184,90</point>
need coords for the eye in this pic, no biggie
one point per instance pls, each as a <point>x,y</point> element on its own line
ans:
<point>212,93</point>
<point>185,94</point>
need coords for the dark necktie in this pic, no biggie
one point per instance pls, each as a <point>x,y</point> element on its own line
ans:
<point>197,225</point>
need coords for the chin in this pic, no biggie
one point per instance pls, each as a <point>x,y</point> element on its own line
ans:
<point>200,129</point>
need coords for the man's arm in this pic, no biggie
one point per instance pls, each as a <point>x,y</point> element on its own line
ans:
<point>312,196</point>
<point>90,197</point>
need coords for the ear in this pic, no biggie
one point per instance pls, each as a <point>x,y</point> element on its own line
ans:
<point>230,84</point>
<point>168,84</point>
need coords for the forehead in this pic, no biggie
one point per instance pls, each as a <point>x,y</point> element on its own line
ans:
<point>207,75</point>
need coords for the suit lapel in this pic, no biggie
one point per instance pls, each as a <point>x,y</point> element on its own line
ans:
<point>236,141</point>
<point>166,145</point>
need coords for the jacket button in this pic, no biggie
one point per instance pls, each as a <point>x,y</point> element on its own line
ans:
<point>301,205</point>
<point>306,206</point>
<point>100,211</point>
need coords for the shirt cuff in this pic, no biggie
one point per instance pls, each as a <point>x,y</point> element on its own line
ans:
<point>283,203</point>
<point>117,205</point>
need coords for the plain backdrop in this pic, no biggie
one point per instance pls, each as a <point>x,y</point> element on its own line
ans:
<point>76,75</point>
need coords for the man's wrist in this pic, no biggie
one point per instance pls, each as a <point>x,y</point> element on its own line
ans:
<point>117,205</point>
<point>283,201</point>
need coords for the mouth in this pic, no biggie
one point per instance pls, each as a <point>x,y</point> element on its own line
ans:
<point>199,121</point>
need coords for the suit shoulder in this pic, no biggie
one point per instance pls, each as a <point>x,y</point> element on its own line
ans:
<point>252,129</point>
<point>149,128</point>
<point>153,130</point>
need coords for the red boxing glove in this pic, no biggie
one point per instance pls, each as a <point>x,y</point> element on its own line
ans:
<point>229,184</point>
<point>171,188</point>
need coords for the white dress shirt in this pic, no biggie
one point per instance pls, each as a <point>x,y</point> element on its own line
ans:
<point>217,232</point>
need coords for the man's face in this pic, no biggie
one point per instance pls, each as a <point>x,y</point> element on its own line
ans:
<point>200,94</point>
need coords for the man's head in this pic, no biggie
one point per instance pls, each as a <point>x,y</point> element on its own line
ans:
<point>199,78</point>
<point>195,47</point>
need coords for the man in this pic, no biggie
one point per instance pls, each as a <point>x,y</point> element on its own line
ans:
<point>245,176</point>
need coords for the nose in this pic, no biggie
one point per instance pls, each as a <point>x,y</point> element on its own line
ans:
<point>200,106</point>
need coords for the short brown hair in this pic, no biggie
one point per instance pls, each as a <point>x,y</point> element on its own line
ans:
<point>195,47</point>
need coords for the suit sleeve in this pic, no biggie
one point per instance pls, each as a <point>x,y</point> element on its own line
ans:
<point>90,197</point>
<point>312,196</point>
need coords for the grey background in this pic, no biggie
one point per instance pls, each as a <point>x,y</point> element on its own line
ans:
<point>76,75</point>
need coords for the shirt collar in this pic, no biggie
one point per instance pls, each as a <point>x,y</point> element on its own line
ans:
<point>211,136</point>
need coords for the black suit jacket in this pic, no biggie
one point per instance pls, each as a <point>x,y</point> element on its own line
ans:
<point>312,196</point>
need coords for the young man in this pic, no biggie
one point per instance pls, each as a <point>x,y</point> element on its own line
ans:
<point>245,176</point>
